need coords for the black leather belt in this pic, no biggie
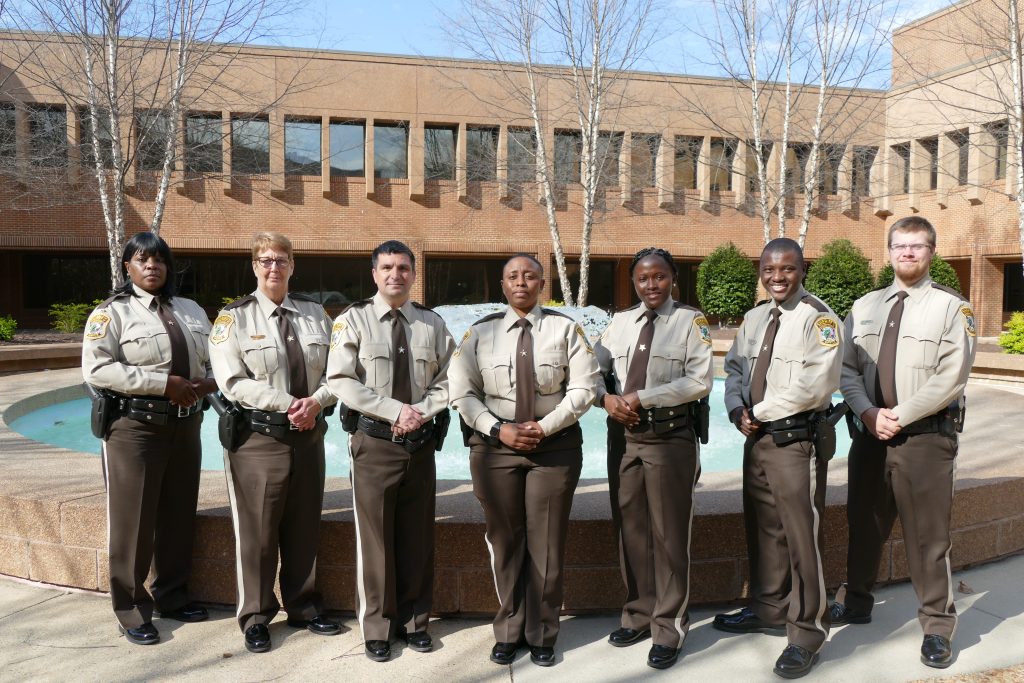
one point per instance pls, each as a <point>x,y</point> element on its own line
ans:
<point>379,429</point>
<point>273,424</point>
<point>798,427</point>
<point>573,429</point>
<point>158,411</point>
<point>663,420</point>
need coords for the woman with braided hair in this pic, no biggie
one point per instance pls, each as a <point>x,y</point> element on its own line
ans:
<point>657,363</point>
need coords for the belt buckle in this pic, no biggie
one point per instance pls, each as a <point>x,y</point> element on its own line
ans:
<point>183,411</point>
<point>395,438</point>
<point>292,427</point>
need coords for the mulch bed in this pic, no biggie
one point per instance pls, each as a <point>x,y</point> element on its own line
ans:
<point>42,337</point>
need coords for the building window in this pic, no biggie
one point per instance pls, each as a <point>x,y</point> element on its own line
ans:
<point>390,150</point>
<point>568,154</point>
<point>1000,139</point>
<point>463,281</point>
<point>439,152</point>
<point>930,147</point>
<point>961,140</point>
<point>522,155</point>
<point>204,142</point>
<point>8,136</point>
<point>753,182</point>
<point>606,157</point>
<point>601,283</point>
<point>348,148</point>
<point>902,153</point>
<point>302,147</point>
<point>1013,287</point>
<point>153,129</point>
<point>48,136</point>
<point>250,146</point>
<point>796,166</point>
<point>828,178</point>
<point>687,153</point>
<point>722,153</point>
<point>860,172</point>
<point>643,159</point>
<point>69,277</point>
<point>481,154</point>
<point>87,145</point>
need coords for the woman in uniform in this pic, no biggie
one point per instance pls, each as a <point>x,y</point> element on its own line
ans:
<point>269,355</point>
<point>146,348</point>
<point>656,357</point>
<point>520,381</point>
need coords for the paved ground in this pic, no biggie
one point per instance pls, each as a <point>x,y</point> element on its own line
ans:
<point>49,634</point>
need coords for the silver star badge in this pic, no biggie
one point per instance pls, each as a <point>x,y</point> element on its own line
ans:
<point>892,324</point>
<point>291,339</point>
<point>401,349</point>
<point>765,347</point>
<point>643,347</point>
<point>523,353</point>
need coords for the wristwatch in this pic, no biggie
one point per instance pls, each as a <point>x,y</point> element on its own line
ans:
<point>495,430</point>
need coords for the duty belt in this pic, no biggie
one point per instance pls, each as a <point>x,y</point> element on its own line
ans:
<point>152,410</point>
<point>798,427</point>
<point>379,429</point>
<point>663,420</point>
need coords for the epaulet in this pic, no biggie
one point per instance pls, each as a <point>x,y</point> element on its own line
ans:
<point>299,296</point>
<point>240,302</point>
<point>550,311</point>
<point>880,288</point>
<point>680,304</point>
<point>948,290</point>
<point>114,297</point>
<point>762,302</point>
<point>636,305</point>
<point>815,303</point>
<point>358,304</point>
<point>490,316</point>
<point>423,307</point>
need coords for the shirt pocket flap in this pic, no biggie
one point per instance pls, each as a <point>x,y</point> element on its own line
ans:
<point>372,350</point>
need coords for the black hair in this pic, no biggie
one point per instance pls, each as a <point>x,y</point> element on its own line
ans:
<point>782,245</point>
<point>529,257</point>
<point>393,247</point>
<point>654,251</point>
<point>148,244</point>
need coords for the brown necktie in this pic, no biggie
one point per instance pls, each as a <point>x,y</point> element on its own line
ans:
<point>636,375</point>
<point>759,381</point>
<point>401,383</point>
<point>179,349</point>
<point>297,386</point>
<point>885,378</point>
<point>526,382</point>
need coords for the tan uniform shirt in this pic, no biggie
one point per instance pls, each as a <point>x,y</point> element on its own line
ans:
<point>249,357</point>
<point>483,372</point>
<point>360,366</point>
<point>681,365</point>
<point>805,365</point>
<point>126,348</point>
<point>933,356</point>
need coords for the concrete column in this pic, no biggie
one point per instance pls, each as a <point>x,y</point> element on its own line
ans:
<point>704,173</point>
<point>502,162</point>
<point>368,166</point>
<point>981,163</point>
<point>461,168</point>
<point>845,178</point>
<point>325,154</point>
<point>225,118</point>
<point>948,168</point>
<point>1012,159</point>
<point>626,166</point>
<point>277,142</point>
<point>665,170</point>
<point>415,159</point>
<point>740,169</point>
<point>881,172</point>
<point>74,136</point>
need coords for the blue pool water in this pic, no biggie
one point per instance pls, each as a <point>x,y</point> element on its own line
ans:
<point>67,425</point>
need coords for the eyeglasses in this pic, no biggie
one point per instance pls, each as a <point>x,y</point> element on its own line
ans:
<point>916,248</point>
<point>268,263</point>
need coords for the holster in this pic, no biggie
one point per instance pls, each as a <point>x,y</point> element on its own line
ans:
<point>231,422</point>
<point>441,422</point>
<point>466,430</point>
<point>824,428</point>
<point>106,407</point>
<point>700,418</point>
<point>349,418</point>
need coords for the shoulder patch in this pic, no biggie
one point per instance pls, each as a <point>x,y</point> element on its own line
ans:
<point>490,316</point>
<point>948,290</point>
<point>221,327</point>
<point>703,328</point>
<point>583,338</point>
<point>458,349</point>
<point>969,323</point>
<point>680,304</point>
<point>828,331</point>
<point>241,301</point>
<point>815,303</point>
<point>549,311</point>
<point>336,331</point>
<point>96,326</point>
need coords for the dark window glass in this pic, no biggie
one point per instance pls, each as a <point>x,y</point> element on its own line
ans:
<point>250,146</point>
<point>439,153</point>
<point>482,154</point>
<point>687,154</point>
<point>796,166</point>
<point>69,278</point>
<point>301,147</point>
<point>204,142</point>
<point>863,160</point>
<point>644,159</point>
<point>828,177</point>
<point>1013,287</point>
<point>48,136</point>
<point>568,148</point>
<point>1001,137</point>
<point>601,284</point>
<point>153,130</point>
<point>348,148</point>
<point>522,155</point>
<point>87,145</point>
<point>722,154</point>
<point>390,150</point>
<point>8,136</point>
<point>463,281</point>
<point>961,142</point>
<point>931,151</point>
<point>903,156</point>
<point>753,183</point>
<point>609,148</point>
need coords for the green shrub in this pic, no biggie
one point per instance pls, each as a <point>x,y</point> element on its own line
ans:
<point>7,327</point>
<point>1012,340</point>
<point>841,276</point>
<point>71,317</point>
<point>726,283</point>
<point>941,272</point>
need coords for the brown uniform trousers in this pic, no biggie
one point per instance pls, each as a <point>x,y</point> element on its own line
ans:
<point>783,508</point>
<point>276,490</point>
<point>912,474</point>
<point>651,480</point>
<point>152,480</point>
<point>526,500</point>
<point>393,496</point>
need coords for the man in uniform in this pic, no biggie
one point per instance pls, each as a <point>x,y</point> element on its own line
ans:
<point>904,372</point>
<point>782,370</point>
<point>389,362</point>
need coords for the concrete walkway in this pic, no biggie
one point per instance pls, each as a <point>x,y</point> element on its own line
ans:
<point>50,634</point>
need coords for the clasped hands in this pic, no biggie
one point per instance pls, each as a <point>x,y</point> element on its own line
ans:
<point>186,393</point>
<point>881,422</point>
<point>747,425</point>
<point>623,409</point>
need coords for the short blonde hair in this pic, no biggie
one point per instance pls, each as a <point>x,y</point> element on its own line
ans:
<point>270,240</point>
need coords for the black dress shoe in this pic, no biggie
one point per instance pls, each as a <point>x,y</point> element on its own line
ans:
<point>624,637</point>
<point>662,656</point>
<point>936,651</point>
<point>320,625</point>
<point>419,641</point>
<point>190,613</point>
<point>257,638</point>
<point>795,662</point>
<point>542,656</point>
<point>504,653</point>
<point>378,650</point>
<point>143,635</point>
<point>744,621</point>
<point>841,614</point>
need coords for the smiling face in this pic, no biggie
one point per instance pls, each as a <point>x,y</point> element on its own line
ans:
<point>273,269</point>
<point>148,273</point>
<point>910,253</point>
<point>652,279</point>
<point>394,275</point>
<point>781,274</point>
<point>521,281</point>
